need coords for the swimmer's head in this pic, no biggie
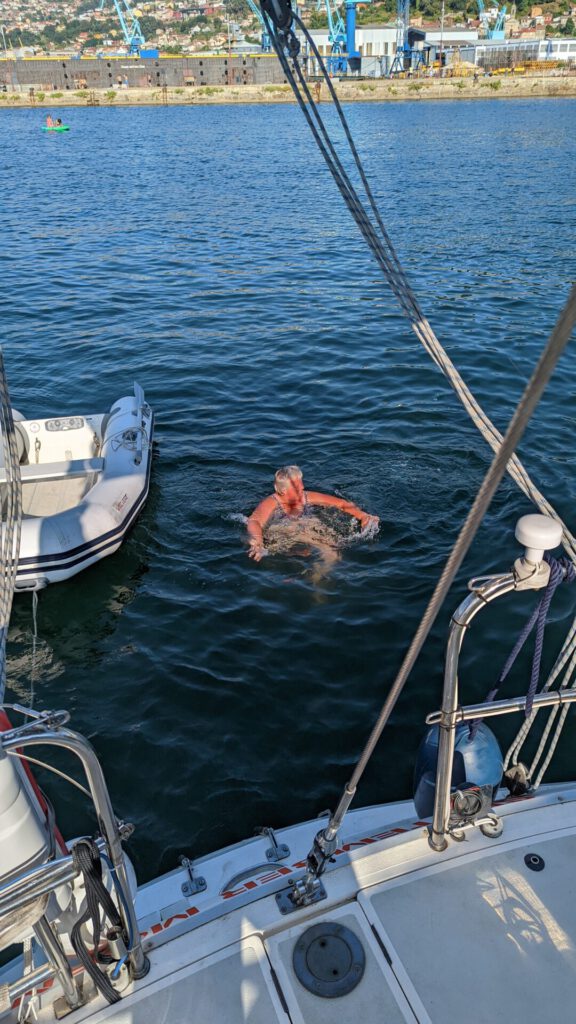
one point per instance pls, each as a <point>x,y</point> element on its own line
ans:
<point>286,478</point>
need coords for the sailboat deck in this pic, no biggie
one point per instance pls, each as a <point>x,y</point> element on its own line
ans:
<point>488,927</point>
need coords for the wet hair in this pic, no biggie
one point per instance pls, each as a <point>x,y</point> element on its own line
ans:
<point>284,475</point>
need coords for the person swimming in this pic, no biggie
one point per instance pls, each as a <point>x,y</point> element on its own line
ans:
<point>290,509</point>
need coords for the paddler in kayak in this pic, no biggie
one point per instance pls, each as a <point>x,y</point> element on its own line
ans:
<point>290,510</point>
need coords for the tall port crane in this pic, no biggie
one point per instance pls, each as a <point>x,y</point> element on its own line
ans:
<point>342,37</point>
<point>498,31</point>
<point>407,57</point>
<point>265,41</point>
<point>495,31</point>
<point>130,25</point>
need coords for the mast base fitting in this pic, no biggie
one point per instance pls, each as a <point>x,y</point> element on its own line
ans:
<point>300,894</point>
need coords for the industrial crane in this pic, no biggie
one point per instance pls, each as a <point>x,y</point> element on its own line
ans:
<point>498,31</point>
<point>265,42</point>
<point>342,37</point>
<point>130,25</point>
<point>495,31</point>
<point>407,58</point>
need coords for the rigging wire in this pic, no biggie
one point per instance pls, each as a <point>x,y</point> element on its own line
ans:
<point>50,768</point>
<point>283,39</point>
<point>381,245</point>
<point>554,347</point>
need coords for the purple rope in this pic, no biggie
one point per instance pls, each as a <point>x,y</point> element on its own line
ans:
<point>556,577</point>
<point>561,569</point>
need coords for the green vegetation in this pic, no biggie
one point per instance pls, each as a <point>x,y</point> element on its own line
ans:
<point>209,90</point>
<point>57,95</point>
<point>40,96</point>
<point>456,12</point>
<point>81,93</point>
<point>202,29</point>
<point>110,95</point>
<point>417,86</point>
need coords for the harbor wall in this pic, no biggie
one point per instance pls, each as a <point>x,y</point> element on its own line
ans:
<point>71,74</point>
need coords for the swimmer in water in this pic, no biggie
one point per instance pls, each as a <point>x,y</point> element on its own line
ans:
<point>291,506</point>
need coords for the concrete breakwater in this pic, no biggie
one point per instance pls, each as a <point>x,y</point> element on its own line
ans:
<point>378,90</point>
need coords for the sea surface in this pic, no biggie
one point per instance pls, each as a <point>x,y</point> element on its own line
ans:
<point>204,252</point>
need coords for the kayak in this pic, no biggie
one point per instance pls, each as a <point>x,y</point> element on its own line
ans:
<point>55,128</point>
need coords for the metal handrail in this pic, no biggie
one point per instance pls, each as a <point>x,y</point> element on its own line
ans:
<point>38,881</point>
<point>78,745</point>
<point>505,707</point>
<point>448,716</point>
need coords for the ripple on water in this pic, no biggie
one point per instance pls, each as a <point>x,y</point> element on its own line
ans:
<point>230,282</point>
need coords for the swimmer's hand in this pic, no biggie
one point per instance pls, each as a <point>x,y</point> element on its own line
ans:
<point>256,550</point>
<point>369,520</point>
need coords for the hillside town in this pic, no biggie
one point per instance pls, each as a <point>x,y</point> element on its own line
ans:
<point>184,27</point>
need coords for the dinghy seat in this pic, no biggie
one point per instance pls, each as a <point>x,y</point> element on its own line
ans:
<point>56,470</point>
<point>51,487</point>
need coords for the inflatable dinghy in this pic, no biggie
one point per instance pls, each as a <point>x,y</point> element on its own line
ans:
<point>84,481</point>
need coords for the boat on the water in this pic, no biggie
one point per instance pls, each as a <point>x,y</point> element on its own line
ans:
<point>84,480</point>
<point>455,907</point>
<point>55,127</point>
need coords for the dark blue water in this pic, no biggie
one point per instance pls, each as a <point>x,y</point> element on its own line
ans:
<point>204,252</point>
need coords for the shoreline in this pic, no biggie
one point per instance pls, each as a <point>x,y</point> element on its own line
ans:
<point>366,91</point>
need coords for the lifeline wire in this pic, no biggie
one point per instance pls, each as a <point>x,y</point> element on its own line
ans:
<point>555,346</point>
<point>387,258</point>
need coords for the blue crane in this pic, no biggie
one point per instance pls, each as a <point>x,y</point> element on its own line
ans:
<point>495,31</point>
<point>130,25</point>
<point>265,42</point>
<point>498,31</point>
<point>407,58</point>
<point>342,37</point>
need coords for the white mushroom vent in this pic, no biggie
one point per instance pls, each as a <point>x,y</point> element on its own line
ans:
<point>538,534</point>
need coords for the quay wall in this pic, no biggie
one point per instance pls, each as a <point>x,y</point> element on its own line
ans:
<point>71,74</point>
<point>240,79</point>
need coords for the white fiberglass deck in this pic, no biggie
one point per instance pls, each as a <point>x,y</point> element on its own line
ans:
<point>474,934</point>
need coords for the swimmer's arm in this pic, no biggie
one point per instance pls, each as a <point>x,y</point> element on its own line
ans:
<point>331,501</point>
<point>255,527</point>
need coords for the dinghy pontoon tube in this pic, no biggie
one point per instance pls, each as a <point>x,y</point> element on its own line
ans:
<point>84,480</point>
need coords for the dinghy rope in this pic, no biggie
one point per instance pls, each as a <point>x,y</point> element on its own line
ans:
<point>280,19</point>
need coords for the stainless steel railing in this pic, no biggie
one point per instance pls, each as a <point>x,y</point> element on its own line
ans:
<point>451,714</point>
<point>45,878</point>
